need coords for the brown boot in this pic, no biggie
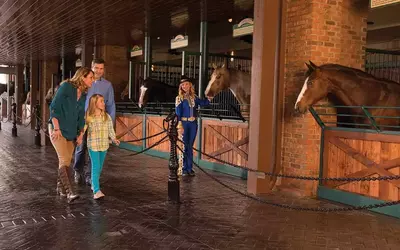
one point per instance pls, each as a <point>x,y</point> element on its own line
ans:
<point>60,189</point>
<point>66,182</point>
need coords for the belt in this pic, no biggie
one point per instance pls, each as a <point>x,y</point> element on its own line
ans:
<point>190,119</point>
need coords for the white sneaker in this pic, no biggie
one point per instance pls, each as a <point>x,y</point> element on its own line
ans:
<point>98,195</point>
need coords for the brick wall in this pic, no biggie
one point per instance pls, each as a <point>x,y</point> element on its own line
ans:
<point>117,67</point>
<point>323,31</point>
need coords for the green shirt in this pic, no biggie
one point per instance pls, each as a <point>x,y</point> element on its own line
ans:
<point>69,112</point>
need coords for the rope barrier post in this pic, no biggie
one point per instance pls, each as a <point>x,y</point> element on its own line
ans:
<point>173,181</point>
<point>14,112</point>
<point>37,126</point>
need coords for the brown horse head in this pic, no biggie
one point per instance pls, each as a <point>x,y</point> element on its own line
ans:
<point>345,86</point>
<point>219,81</point>
<point>315,87</point>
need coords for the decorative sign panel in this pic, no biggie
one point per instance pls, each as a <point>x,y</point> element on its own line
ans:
<point>245,27</point>
<point>136,51</point>
<point>179,41</point>
<point>380,3</point>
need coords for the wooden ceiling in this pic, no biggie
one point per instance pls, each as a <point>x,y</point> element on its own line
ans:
<point>47,28</point>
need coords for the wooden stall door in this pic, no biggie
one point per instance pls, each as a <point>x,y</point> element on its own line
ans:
<point>357,154</point>
<point>227,141</point>
<point>129,128</point>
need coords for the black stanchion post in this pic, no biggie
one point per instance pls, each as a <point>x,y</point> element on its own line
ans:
<point>37,127</point>
<point>173,181</point>
<point>14,128</point>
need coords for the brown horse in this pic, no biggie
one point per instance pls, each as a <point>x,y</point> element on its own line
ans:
<point>152,90</point>
<point>238,82</point>
<point>350,87</point>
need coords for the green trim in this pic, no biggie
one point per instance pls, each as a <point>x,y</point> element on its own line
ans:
<point>225,169</point>
<point>356,200</point>
<point>371,119</point>
<point>317,118</point>
<point>321,155</point>
<point>128,146</point>
<point>221,168</point>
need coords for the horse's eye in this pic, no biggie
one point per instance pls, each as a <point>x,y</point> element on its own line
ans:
<point>218,76</point>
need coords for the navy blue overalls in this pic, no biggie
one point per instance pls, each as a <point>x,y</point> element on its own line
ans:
<point>187,114</point>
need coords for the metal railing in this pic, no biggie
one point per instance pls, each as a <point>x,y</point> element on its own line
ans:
<point>383,63</point>
<point>355,118</point>
<point>229,112</point>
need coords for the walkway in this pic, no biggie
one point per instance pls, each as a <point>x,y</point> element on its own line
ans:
<point>135,214</point>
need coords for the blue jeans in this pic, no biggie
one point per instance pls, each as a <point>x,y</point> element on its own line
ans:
<point>189,136</point>
<point>97,158</point>
<point>79,163</point>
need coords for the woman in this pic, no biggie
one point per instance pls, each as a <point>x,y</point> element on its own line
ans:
<point>67,119</point>
<point>185,107</point>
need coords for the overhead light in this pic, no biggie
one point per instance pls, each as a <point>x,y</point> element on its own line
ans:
<point>158,38</point>
<point>230,20</point>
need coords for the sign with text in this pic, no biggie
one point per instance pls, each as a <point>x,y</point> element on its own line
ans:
<point>381,3</point>
<point>179,41</point>
<point>245,27</point>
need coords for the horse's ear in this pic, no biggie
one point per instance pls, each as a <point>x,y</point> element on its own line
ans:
<point>313,65</point>
<point>214,66</point>
<point>223,65</point>
<point>310,68</point>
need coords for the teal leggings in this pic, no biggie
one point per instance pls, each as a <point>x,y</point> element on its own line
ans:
<point>97,158</point>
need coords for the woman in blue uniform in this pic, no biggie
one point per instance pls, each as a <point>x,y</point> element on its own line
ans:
<point>186,104</point>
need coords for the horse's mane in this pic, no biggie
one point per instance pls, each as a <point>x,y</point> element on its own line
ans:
<point>355,72</point>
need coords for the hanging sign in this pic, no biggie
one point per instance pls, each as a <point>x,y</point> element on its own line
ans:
<point>245,27</point>
<point>136,51</point>
<point>381,3</point>
<point>179,41</point>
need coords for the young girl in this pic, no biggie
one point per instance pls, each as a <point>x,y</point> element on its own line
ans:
<point>100,128</point>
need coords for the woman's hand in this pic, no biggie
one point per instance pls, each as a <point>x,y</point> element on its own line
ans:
<point>56,134</point>
<point>180,130</point>
<point>79,140</point>
<point>116,141</point>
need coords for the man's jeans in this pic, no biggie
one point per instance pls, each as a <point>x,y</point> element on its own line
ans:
<point>80,155</point>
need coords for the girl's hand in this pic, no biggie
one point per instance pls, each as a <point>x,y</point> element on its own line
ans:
<point>116,141</point>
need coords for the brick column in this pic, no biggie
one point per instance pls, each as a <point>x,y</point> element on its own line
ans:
<point>116,68</point>
<point>332,31</point>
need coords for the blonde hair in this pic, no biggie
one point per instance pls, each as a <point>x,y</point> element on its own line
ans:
<point>181,93</point>
<point>92,109</point>
<point>77,81</point>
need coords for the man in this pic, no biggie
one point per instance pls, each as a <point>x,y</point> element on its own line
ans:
<point>103,87</point>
